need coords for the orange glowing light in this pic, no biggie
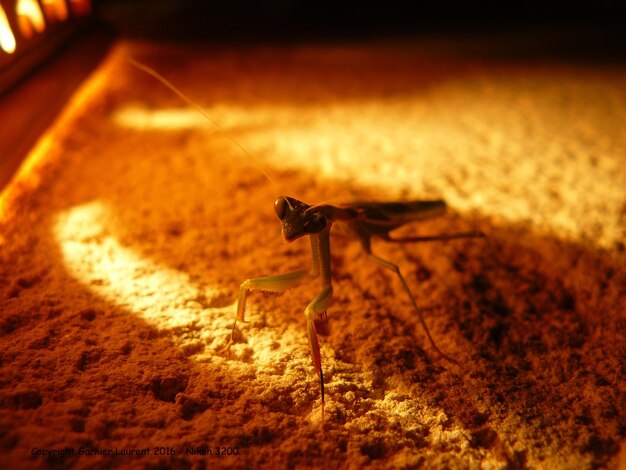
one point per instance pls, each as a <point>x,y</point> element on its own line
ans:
<point>80,7</point>
<point>56,10</point>
<point>29,18</point>
<point>7,39</point>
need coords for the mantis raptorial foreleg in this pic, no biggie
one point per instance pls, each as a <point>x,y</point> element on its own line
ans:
<point>317,308</point>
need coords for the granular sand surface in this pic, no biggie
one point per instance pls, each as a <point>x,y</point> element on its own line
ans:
<point>126,234</point>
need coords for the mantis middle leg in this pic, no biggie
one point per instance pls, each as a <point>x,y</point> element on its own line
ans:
<point>320,256</point>
<point>277,283</point>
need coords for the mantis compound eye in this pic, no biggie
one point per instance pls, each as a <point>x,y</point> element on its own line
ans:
<point>280,206</point>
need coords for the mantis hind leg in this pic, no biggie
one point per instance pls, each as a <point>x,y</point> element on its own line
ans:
<point>452,236</point>
<point>435,238</point>
<point>491,246</point>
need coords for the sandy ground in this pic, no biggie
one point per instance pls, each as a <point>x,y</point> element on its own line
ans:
<point>125,236</point>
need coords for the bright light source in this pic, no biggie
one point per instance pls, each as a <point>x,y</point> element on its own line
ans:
<point>7,39</point>
<point>56,10</point>
<point>29,17</point>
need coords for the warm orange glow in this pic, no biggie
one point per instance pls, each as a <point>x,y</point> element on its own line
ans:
<point>322,139</point>
<point>56,10</point>
<point>130,227</point>
<point>164,297</point>
<point>7,39</point>
<point>94,255</point>
<point>29,17</point>
<point>136,117</point>
<point>80,7</point>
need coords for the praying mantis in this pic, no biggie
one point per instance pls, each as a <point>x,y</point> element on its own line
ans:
<point>360,220</point>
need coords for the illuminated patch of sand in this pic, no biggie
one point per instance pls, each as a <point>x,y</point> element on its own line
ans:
<point>495,147</point>
<point>136,117</point>
<point>164,297</point>
<point>158,294</point>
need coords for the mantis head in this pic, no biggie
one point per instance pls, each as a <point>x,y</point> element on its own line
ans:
<point>296,220</point>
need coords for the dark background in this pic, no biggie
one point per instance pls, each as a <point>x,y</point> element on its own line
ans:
<point>293,20</point>
<point>576,31</point>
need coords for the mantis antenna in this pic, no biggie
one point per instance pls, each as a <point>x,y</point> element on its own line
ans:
<point>188,100</point>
